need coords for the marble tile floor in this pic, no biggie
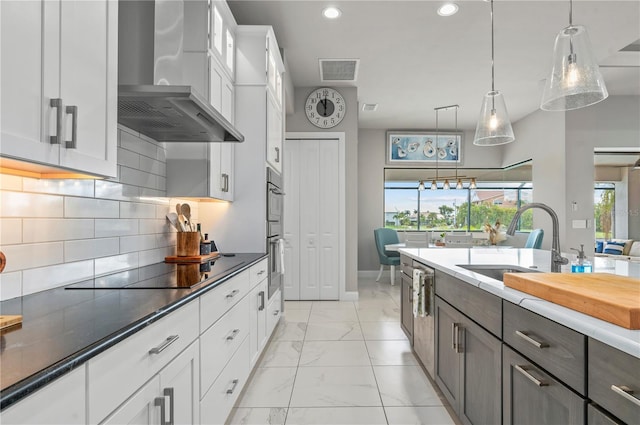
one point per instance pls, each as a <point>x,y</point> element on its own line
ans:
<point>333,362</point>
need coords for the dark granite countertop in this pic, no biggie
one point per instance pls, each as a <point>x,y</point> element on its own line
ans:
<point>62,329</point>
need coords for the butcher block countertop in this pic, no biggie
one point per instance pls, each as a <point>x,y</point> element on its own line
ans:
<point>614,299</point>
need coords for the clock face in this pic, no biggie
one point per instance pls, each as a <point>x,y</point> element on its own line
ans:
<point>325,107</point>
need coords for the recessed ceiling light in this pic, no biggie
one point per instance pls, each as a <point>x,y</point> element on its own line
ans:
<point>448,9</point>
<point>331,12</point>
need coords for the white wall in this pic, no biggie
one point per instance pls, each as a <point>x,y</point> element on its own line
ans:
<point>371,164</point>
<point>561,146</point>
<point>298,122</point>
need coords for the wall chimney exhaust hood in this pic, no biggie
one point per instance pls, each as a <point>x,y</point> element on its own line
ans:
<point>153,97</point>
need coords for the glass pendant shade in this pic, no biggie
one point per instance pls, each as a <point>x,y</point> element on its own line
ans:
<point>446,185</point>
<point>459,184</point>
<point>494,126</point>
<point>421,185</point>
<point>575,80</point>
<point>473,185</point>
<point>434,185</point>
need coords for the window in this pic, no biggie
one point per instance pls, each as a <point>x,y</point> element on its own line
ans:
<point>217,30</point>
<point>230,51</point>
<point>407,208</point>
<point>604,199</point>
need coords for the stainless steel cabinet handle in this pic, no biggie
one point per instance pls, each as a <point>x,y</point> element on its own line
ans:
<point>531,340</point>
<point>453,337</point>
<point>232,293</point>
<point>167,342</point>
<point>225,182</point>
<point>261,272</point>
<point>57,103</point>
<point>168,392</point>
<point>275,313</point>
<point>410,290</point>
<point>233,335</point>
<point>73,143</point>
<point>261,295</point>
<point>160,402</point>
<point>277,154</point>
<point>626,392</point>
<point>234,384</point>
<point>524,371</point>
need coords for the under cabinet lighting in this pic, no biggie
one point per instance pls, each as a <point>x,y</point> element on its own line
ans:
<point>331,12</point>
<point>448,9</point>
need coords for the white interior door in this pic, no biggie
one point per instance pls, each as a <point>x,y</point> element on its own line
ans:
<point>291,221</point>
<point>312,220</point>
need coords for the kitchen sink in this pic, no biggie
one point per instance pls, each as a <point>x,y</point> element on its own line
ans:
<point>496,271</point>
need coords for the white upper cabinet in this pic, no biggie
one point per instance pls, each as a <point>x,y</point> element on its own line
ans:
<point>260,64</point>
<point>59,84</point>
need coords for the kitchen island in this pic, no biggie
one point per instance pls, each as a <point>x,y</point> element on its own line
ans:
<point>551,364</point>
<point>62,329</point>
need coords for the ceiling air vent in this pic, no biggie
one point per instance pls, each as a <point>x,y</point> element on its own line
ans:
<point>337,70</point>
<point>369,107</point>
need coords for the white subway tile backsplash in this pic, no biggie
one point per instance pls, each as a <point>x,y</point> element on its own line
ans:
<point>137,210</point>
<point>152,166</point>
<point>90,248</point>
<point>43,278</point>
<point>10,285</point>
<point>107,227</point>
<point>116,263</point>
<point>154,225</point>
<point>74,187</point>
<point>56,229</point>
<point>61,231</point>
<point>18,204</point>
<point>113,190</point>
<point>90,208</point>
<point>128,158</point>
<point>10,231</point>
<point>157,255</point>
<point>28,256</point>
<point>137,243</point>
<point>137,144</point>
<point>9,182</point>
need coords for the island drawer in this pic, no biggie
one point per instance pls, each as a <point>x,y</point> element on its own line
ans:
<point>220,299</point>
<point>406,264</point>
<point>480,306</point>
<point>614,381</point>
<point>556,348</point>
<point>118,372</point>
<point>258,272</point>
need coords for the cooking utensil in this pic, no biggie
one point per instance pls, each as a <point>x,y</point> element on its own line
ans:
<point>173,219</point>
<point>181,219</point>
<point>186,212</point>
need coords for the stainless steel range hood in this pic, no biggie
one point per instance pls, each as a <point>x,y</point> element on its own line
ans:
<point>153,97</point>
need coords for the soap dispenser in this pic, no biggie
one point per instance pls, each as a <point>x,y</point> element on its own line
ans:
<point>581,264</point>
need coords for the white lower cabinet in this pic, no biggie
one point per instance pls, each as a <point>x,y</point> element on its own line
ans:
<point>69,394</point>
<point>258,319</point>
<point>179,386</point>
<point>139,409</point>
<point>274,312</point>
<point>219,400</point>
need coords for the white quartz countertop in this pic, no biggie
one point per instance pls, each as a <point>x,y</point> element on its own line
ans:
<point>448,261</point>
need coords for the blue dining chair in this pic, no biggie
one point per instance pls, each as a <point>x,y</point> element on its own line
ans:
<point>535,239</point>
<point>384,237</point>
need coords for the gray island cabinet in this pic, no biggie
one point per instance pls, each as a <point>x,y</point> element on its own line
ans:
<point>498,362</point>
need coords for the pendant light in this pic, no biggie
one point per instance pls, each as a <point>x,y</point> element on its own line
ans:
<point>575,80</point>
<point>473,184</point>
<point>446,185</point>
<point>421,185</point>
<point>494,127</point>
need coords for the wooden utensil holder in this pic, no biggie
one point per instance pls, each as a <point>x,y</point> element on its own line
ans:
<point>188,244</point>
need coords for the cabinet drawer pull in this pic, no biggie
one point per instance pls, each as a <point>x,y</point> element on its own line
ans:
<point>56,103</point>
<point>167,342</point>
<point>261,272</point>
<point>233,293</point>
<point>524,371</point>
<point>277,154</point>
<point>275,313</point>
<point>234,384</point>
<point>73,110</point>
<point>233,335</point>
<point>531,340</point>
<point>625,392</point>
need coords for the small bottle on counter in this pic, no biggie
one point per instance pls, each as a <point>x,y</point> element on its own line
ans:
<point>199,230</point>
<point>581,264</point>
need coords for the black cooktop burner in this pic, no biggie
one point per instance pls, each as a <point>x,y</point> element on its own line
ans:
<point>163,276</point>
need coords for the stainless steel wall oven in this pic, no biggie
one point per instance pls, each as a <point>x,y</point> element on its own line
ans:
<point>275,201</point>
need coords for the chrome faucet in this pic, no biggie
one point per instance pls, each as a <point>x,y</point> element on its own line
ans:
<point>556,257</point>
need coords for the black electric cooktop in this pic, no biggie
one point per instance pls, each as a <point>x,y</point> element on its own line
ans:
<point>163,276</point>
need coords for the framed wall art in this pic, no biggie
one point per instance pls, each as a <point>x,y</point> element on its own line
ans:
<point>422,148</point>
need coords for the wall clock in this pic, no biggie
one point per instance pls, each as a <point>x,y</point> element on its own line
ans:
<point>325,107</point>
